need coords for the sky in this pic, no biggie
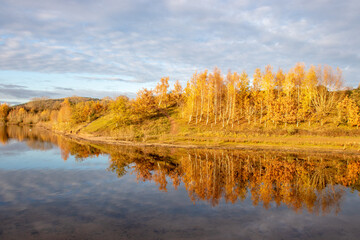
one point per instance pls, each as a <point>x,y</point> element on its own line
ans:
<point>94,48</point>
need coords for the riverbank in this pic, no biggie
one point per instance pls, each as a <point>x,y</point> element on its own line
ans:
<point>314,144</point>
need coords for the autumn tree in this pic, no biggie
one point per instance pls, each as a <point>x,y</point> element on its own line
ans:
<point>326,96</point>
<point>161,91</point>
<point>299,74</point>
<point>268,87</point>
<point>65,111</point>
<point>144,106</point>
<point>257,95</point>
<point>279,81</point>
<point>201,82</point>
<point>176,95</point>
<point>121,109</point>
<point>54,116</point>
<point>4,111</point>
<point>191,98</point>
<point>308,93</point>
<point>22,114</point>
<point>289,101</point>
<point>209,98</point>
<point>218,82</point>
<point>355,94</point>
<point>244,104</point>
<point>232,84</point>
<point>348,112</point>
<point>87,111</point>
<point>278,101</point>
<point>45,115</point>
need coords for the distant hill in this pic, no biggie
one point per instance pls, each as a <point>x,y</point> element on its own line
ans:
<point>40,104</point>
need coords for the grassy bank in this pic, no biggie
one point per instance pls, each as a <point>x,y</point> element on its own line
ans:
<point>166,129</point>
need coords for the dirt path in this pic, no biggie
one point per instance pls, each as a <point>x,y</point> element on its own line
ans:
<point>78,130</point>
<point>173,125</point>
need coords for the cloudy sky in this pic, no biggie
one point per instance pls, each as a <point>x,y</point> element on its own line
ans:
<point>97,48</point>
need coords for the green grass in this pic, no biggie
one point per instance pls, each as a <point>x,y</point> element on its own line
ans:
<point>102,125</point>
<point>151,129</point>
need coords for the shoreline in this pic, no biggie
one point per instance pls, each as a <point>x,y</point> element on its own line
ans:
<point>224,146</point>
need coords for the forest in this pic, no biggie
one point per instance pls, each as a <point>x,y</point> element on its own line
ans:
<point>301,98</point>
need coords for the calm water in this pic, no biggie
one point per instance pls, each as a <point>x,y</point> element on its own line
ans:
<point>53,188</point>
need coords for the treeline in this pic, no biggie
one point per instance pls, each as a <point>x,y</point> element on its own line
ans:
<point>269,98</point>
<point>70,110</point>
<point>293,97</point>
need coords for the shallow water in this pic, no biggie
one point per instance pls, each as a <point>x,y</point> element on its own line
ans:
<point>54,188</point>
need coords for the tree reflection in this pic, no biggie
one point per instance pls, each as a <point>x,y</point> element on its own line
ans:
<point>314,182</point>
<point>4,137</point>
<point>41,139</point>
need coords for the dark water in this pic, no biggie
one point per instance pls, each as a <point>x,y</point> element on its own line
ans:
<point>53,188</point>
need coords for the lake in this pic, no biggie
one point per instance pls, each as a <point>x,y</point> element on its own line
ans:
<point>52,187</point>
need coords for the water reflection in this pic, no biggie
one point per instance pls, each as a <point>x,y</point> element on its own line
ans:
<point>313,182</point>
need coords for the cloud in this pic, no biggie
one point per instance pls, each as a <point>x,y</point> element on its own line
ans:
<point>20,93</point>
<point>11,103</point>
<point>16,96</point>
<point>146,40</point>
<point>11,86</point>
<point>116,79</point>
<point>101,94</point>
<point>63,88</point>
